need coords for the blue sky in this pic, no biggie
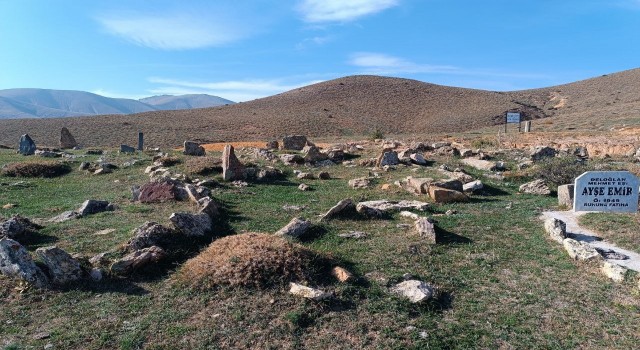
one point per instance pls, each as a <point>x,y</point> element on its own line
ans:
<point>246,49</point>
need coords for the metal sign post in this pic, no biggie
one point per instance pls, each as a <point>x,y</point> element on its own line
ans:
<point>512,118</point>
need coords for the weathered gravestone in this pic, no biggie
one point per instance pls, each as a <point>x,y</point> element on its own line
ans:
<point>27,146</point>
<point>66,139</point>
<point>607,191</point>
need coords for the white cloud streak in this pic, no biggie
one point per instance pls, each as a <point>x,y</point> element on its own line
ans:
<point>378,63</point>
<point>180,31</point>
<point>319,11</point>
<point>235,90</point>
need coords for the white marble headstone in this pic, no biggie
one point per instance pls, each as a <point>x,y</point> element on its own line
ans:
<point>606,191</point>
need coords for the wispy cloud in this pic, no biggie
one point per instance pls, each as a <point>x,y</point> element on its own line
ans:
<point>174,31</point>
<point>317,11</point>
<point>235,90</point>
<point>378,63</point>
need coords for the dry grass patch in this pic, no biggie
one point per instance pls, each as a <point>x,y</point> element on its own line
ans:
<point>36,169</point>
<point>253,260</point>
<point>203,165</point>
<point>168,161</point>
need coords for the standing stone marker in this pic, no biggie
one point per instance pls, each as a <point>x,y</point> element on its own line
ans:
<point>66,139</point>
<point>140,141</point>
<point>27,146</point>
<point>232,169</point>
<point>127,149</point>
<point>607,191</point>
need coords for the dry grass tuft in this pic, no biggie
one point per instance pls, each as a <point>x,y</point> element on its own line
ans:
<point>204,165</point>
<point>168,161</point>
<point>36,169</point>
<point>252,260</point>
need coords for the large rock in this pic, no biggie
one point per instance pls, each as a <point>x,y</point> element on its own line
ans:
<point>414,290</point>
<point>445,195</point>
<point>61,267</point>
<point>307,292</point>
<point>538,187</point>
<point>15,261</point>
<point>193,149</point>
<point>426,229</point>
<point>195,192</point>
<point>614,271</point>
<point>137,259</point>
<point>581,251</point>
<point>232,169</point>
<point>16,227</point>
<point>450,184</point>
<point>381,208</point>
<point>208,206</point>
<point>150,234</point>
<point>291,158</point>
<point>473,186</point>
<point>312,154</point>
<point>418,158</point>
<point>67,215</point>
<point>557,229</point>
<point>541,152</point>
<point>388,158</point>
<point>272,144</point>
<point>480,164</point>
<point>341,207</point>
<point>66,139</point>
<point>294,142</point>
<point>296,228</point>
<point>26,147</point>
<point>565,195</point>
<point>417,185</point>
<point>195,225</point>
<point>361,182</point>
<point>92,206</point>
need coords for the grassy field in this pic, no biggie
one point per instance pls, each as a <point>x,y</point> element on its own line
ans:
<point>501,283</point>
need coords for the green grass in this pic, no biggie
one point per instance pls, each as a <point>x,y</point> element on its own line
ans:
<point>501,283</point>
<point>620,229</point>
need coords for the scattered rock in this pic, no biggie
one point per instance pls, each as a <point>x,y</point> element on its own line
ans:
<point>380,207</point>
<point>232,169</point>
<point>15,261</point>
<point>16,227</point>
<point>557,229</point>
<point>305,176</point>
<point>296,228</point>
<point>426,229</point>
<point>473,186</point>
<point>565,195</point>
<point>304,187</point>
<point>354,235</point>
<point>61,267</point>
<point>208,206</point>
<point>538,187</point>
<point>312,154</point>
<point>388,158</point>
<point>414,290</point>
<point>480,164</point>
<point>341,274</point>
<point>323,175</point>
<point>272,144</point>
<point>541,152</point>
<point>150,234</point>
<point>444,195</point>
<point>307,292</point>
<point>450,184</point>
<point>614,271</point>
<point>193,149</point>
<point>294,142</point>
<point>418,158</point>
<point>66,139</point>
<point>127,149</point>
<point>92,206</point>
<point>291,158</point>
<point>67,215</point>
<point>47,154</point>
<point>102,171</point>
<point>193,225</point>
<point>361,182</point>
<point>416,185</point>
<point>610,254</point>
<point>580,251</point>
<point>137,260</point>
<point>27,147</point>
<point>84,166</point>
<point>155,192</point>
<point>341,207</point>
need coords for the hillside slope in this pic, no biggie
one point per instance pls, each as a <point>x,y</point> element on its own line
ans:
<point>355,105</point>
<point>169,102</point>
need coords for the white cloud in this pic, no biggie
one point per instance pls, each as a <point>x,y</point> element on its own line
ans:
<point>316,11</point>
<point>234,90</point>
<point>378,63</point>
<point>112,94</point>
<point>179,31</point>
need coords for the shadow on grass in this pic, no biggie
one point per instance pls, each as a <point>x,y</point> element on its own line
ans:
<point>446,237</point>
<point>107,285</point>
<point>493,191</point>
<point>35,240</point>
<point>314,233</point>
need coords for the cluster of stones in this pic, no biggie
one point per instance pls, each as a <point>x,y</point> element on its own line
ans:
<point>584,252</point>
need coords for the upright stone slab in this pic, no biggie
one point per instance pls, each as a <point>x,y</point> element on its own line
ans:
<point>294,142</point>
<point>127,149</point>
<point>27,146</point>
<point>232,169</point>
<point>66,139</point>
<point>606,191</point>
<point>193,149</point>
<point>140,141</point>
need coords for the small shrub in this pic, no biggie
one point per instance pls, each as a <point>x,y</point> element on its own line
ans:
<point>168,161</point>
<point>564,170</point>
<point>204,165</point>
<point>252,260</point>
<point>483,143</point>
<point>376,134</point>
<point>36,169</point>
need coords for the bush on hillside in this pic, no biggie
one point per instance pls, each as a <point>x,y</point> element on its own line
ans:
<point>36,169</point>
<point>252,260</point>
<point>564,170</point>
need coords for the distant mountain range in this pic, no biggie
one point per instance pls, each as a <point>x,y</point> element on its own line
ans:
<point>47,103</point>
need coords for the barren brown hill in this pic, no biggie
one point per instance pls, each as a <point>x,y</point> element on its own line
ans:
<point>355,105</point>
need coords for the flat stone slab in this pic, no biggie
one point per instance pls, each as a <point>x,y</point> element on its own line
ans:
<point>581,234</point>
